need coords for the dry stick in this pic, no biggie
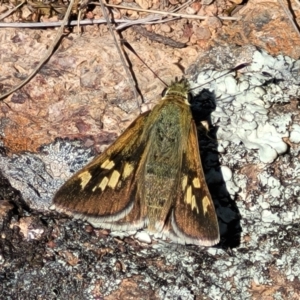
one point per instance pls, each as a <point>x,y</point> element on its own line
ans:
<point>157,37</point>
<point>47,55</point>
<point>161,20</point>
<point>291,19</point>
<point>129,75</point>
<point>183,5</point>
<point>152,19</point>
<point>6,14</point>
<point>169,13</point>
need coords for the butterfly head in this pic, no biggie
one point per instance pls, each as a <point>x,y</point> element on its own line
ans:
<point>179,88</point>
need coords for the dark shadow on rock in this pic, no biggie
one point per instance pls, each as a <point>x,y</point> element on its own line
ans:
<point>228,214</point>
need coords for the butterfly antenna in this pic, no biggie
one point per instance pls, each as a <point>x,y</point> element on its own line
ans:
<point>238,67</point>
<point>129,47</point>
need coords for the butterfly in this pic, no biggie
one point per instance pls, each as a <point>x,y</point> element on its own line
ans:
<point>150,177</point>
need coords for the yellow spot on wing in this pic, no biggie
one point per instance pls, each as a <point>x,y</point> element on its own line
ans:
<point>184,182</point>
<point>85,178</point>
<point>196,183</point>
<point>114,179</point>
<point>194,204</point>
<point>108,164</point>
<point>128,168</point>
<point>103,184</point>
<point>206,203</point>
<point>189,195</point>
<point>191,199</point>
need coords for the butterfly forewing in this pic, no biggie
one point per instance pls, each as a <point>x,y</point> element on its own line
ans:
<point>105,189</point>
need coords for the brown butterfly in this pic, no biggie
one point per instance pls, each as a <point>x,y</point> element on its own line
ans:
<point>150,177</point>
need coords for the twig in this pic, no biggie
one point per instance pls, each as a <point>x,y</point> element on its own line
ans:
<point>6,14</point>
<point>189,2</point>
<point>153,19</point>
<point>291,19</point>
<point>157,37</point>
<point>166,13</point>
<point>150,19</point>
<point>129,75</point>
<point>47,55</point>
